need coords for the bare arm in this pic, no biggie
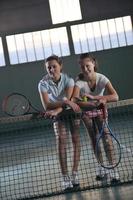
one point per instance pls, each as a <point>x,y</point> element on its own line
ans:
<point>45,101</point>
<point>111,94</point>
<point>59,104</point>
<point>76,96</point>
<point>47,104</point>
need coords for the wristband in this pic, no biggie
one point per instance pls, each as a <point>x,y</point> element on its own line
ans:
<point>64,106</point>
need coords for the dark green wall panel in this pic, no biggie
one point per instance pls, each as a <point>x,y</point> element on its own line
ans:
<point>117,64</point>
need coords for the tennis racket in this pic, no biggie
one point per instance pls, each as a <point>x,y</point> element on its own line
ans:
<point>108,148</point>
<point>17,104</point>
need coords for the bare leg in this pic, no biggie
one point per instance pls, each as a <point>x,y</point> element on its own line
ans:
<point>74,127</point>
<point>92,130</point>
<point>107,142</point>
<point>108,146</point>
<point>61,137</point>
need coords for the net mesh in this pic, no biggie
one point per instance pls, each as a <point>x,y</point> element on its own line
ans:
<point>29,159</point>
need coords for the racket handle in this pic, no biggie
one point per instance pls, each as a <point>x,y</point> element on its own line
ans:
<point>104,110</point>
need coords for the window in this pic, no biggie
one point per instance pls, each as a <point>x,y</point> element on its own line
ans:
<point>100,35</point>
<point>66,10</point>
<point>2,58</point>
<point>37,45</point>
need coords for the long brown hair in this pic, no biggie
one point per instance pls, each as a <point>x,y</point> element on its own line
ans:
<point>54,57</point>
<point>91,57</point>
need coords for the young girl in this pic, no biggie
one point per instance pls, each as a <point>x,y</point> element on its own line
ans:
<point>55,91</point>
<point>93,85</point>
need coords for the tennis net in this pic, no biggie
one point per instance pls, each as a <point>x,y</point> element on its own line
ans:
<point>29,159</point>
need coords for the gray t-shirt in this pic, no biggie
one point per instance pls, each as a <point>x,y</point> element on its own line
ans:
<point>56,92</point>
<point>101,82</point>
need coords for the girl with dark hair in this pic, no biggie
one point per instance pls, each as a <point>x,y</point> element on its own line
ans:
<point>55,91</point>
<point>92,85</point>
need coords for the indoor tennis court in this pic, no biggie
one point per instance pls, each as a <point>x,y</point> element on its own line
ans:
<point>29,160</point>
<point>30,32</point>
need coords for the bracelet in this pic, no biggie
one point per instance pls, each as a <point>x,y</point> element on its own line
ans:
<point>65,106</point>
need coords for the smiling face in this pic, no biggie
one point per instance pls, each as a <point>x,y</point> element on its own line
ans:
<point>53,69</point>
<point>88,68</point>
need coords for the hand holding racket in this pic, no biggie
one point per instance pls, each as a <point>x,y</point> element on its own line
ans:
<point>17,104</point>
<point>108,148</point>
<point>86,103</point>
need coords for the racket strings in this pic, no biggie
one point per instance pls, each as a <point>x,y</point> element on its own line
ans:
<point>108,150</point>
<point>16,104</point>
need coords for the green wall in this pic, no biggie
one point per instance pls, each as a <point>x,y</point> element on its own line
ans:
<point>116,64</point>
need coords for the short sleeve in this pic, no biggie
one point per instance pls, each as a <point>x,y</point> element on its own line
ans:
<point>42,87</point>
<point>78,84</point>
<point>104,81</point>
<point>70,82</point>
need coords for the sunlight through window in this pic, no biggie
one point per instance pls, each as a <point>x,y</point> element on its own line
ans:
<point>33,46</point>
<point>63,7</point>
<point>2,58</point>
<point>100,35</point>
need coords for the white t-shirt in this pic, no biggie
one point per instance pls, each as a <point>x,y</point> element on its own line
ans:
<point>101,82</point>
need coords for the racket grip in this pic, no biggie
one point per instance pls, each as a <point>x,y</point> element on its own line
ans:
<point>104,110</point>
